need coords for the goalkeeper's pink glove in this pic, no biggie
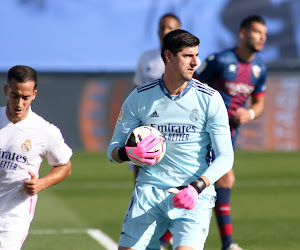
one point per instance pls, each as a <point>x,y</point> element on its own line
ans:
<point>187,196</point>
<point>140,152</point>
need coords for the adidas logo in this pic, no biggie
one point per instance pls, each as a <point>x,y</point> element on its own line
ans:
<point>154,114</point>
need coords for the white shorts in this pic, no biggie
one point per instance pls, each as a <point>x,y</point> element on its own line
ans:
<point>150,213</point>
<point>12,240</point>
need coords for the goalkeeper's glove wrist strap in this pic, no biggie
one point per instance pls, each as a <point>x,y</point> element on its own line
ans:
<point>122,154</point>
<point>199,185</point>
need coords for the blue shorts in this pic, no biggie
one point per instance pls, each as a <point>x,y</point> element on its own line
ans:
<point>150,213</point>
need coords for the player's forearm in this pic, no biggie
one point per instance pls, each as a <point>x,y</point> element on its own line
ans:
<point>112,152</point>
<point>258,104</point>
<point>258,109</point>
<point>115,155</point>
<point>224,158</point>
<point>56,175</point>
<point>206,180</point>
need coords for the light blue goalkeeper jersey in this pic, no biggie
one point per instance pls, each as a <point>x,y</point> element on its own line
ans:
<point>192,122</point>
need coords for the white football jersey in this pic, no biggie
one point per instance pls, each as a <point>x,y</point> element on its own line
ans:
<point>23,146</point>
<point>150,67</point>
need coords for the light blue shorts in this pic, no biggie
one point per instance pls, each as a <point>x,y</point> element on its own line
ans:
<point>150,213</point>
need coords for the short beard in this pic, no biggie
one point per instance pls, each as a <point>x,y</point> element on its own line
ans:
<point>252,48</point>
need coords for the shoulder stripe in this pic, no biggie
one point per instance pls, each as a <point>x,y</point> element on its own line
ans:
<point>203,87</point>
<point>148,86</point>
<point>205,90</point>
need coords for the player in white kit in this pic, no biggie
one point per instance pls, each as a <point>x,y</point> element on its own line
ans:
<point>150,65</point>
<point>193,119</point>
<point>25,140</point>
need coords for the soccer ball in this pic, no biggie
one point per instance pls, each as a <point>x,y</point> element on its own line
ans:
<point>140,133</point>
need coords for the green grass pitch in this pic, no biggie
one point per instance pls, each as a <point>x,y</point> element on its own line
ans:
<point>265,204</point>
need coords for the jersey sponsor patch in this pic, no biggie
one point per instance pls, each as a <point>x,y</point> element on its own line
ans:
<point>12,160</point>
<point>242,89</point>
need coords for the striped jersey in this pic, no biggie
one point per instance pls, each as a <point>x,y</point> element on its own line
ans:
<point>234,78</point>
<point>192,122</point>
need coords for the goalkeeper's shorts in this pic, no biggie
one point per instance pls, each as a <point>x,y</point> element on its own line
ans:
<point>151,213</point>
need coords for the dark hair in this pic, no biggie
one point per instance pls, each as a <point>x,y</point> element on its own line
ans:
<point>177,40</point>
<point>170,15</point>
<point>22,74</point>
<point>246,23</point>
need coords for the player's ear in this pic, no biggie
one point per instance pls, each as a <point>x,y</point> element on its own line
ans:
<point>5,89</point>
<point>242,34</point>
<point>168,54</point>
<point>34,94</point>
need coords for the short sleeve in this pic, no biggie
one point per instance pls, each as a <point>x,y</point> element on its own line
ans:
<point>57,151</point>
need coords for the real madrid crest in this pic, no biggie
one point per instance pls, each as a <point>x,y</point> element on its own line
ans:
<point>26,146</point>
<point>194,116</point>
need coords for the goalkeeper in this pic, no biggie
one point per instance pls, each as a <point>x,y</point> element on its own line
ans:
<point>193,119</point>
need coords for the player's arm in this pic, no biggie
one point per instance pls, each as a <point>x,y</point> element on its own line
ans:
<point>258,104</point>
<point>115,155</point>
<point>57,174</point>
<point>187,196</point>
<point>218,129</point>
<point>244,115</point>
<point>139,152</point>
<point>128,120</point>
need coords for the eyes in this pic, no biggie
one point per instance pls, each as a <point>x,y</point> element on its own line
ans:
<point>16,96</point>
<point>189,56</point>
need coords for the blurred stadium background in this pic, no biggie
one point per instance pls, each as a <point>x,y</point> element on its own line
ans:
<point>86,53</point>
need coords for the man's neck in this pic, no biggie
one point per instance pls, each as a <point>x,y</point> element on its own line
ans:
<point>173,85</point>
<point>244,53</point>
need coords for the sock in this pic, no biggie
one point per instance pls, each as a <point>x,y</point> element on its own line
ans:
<point>223,215</point>
<point>165,238</point>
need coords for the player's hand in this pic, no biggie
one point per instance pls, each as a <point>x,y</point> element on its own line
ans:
<point>186,197</point>
<point>242,116</point>
<point>140,152</point>
<point>31,186</point>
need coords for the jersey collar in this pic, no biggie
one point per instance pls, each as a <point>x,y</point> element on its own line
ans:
<point>177,97</point>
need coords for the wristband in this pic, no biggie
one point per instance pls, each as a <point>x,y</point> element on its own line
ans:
<point>122,154</point>
<point>199,185</point>
<point>252,114</point>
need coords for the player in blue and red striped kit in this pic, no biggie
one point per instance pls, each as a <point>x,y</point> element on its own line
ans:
<point>237,74</point>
